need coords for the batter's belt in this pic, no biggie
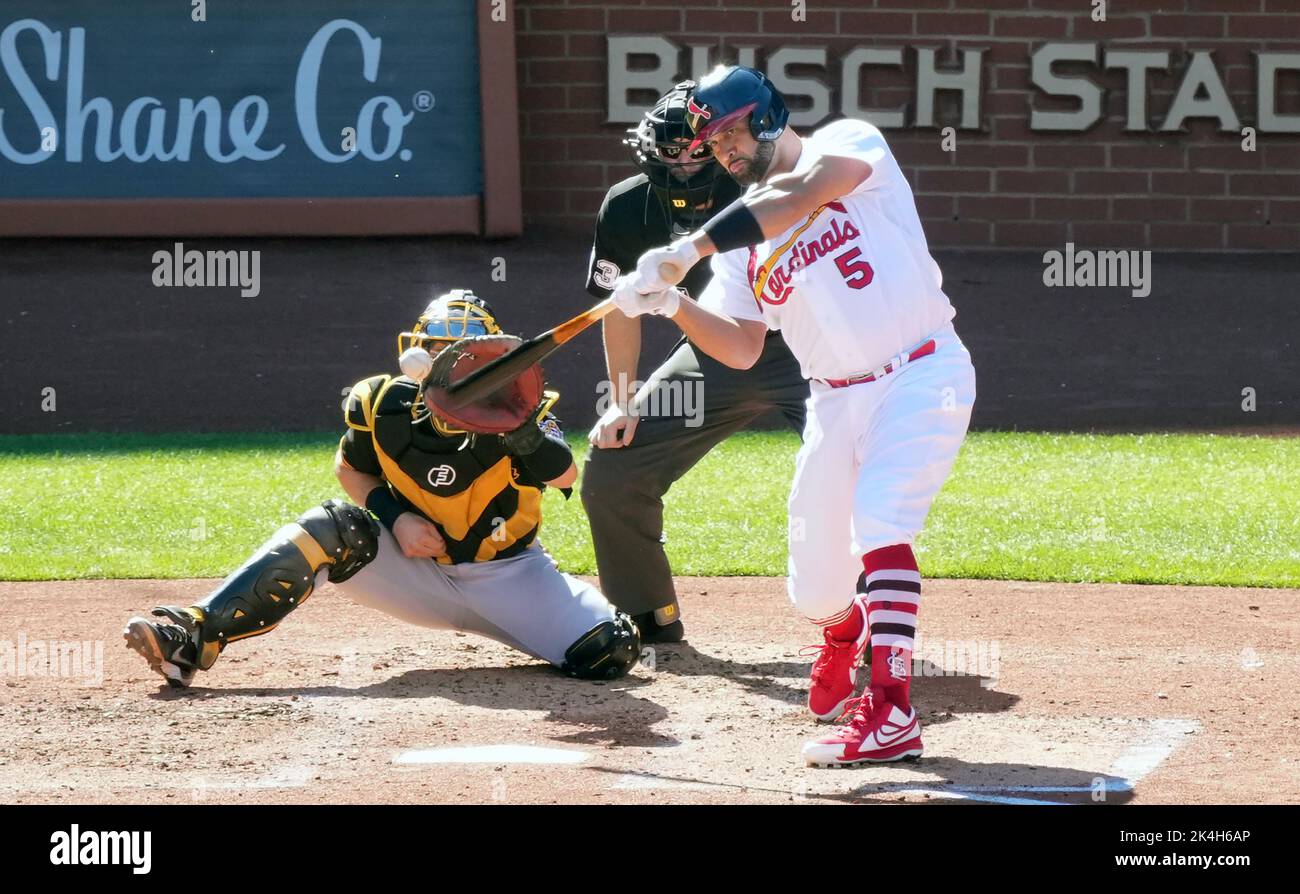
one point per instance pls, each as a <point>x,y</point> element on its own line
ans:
<point>924,349</point>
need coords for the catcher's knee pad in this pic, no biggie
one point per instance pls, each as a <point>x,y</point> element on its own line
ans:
<point>347,535</point>
<point>604,652</point>
<point>281,575</point>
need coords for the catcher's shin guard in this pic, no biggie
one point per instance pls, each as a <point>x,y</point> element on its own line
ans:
<point>604,652</point>
<point>280,576</point>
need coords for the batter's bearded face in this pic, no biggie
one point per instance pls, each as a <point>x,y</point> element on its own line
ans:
<point>744,158</point>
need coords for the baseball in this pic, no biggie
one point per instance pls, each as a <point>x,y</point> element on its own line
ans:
<point>415,363</point>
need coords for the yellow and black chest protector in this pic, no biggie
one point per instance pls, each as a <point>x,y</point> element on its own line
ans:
<point>486,505</point>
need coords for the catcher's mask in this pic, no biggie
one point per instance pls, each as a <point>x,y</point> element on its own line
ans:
<point>448,318</point>
<point>661,146</point>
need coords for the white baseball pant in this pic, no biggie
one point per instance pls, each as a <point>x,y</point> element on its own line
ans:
<point>874,456</point>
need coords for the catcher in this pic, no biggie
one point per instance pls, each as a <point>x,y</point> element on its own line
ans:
<point>458,498</point>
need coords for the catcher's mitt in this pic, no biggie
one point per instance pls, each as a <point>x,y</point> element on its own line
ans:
<point>503,410</point>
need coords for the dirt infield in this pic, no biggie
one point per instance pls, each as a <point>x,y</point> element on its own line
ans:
<point>1074,693</point>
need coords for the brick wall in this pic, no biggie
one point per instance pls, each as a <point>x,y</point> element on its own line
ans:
<point>1006,185</point>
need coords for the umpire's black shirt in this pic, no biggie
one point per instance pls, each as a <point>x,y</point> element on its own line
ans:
<point>633,220</point>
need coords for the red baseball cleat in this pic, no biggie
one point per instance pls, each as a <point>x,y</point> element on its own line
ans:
<point>875,734</point>
<point>835,672</point>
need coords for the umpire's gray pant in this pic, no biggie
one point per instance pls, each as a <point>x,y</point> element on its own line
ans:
<point>524,601</point>
<point>623,487</point>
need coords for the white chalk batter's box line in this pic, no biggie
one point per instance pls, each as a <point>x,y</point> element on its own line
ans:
<point>1124,774</point>
<point>1162,738</point>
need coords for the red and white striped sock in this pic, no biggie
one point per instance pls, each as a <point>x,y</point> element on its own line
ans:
<point>892,585</point>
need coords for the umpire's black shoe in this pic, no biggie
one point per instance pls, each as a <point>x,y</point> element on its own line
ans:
<point>652,631</point>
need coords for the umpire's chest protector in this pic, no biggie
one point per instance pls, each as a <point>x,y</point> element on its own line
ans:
<point>470,487</point>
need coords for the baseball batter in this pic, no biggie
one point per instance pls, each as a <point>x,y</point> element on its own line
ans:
<point>641,446</point>
<point>454,546</point>
<point>826,246</point>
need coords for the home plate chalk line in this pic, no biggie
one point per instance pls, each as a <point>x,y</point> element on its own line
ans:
<point>1125,772</point>
<point>1157,740</point>
<point>492,754</point>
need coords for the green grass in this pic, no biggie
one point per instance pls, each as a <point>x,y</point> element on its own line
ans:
<point>1199,509</point>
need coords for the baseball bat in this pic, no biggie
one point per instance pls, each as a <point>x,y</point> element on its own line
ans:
<point>496,373</point>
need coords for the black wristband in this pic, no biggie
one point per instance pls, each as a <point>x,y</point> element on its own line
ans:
<point>734,227</point>
<point>549,461</point>
<point>385,506</point>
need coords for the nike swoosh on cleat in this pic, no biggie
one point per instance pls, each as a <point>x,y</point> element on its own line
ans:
<point>898,736</point>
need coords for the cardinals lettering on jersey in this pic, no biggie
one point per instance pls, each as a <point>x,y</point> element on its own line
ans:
<point>772,281</point>
<point>850,285</point>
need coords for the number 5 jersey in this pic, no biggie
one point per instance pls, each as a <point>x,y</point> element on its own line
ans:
<point>850,285</point>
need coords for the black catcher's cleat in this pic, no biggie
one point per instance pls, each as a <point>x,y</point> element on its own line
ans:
<point>170,649</point>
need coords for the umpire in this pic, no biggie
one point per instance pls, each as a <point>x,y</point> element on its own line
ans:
<point>652,436</point>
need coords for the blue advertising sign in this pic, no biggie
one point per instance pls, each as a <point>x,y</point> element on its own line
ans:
<point>329,98</point>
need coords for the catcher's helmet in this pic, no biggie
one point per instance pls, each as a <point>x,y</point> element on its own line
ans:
<point>661,145</point>
<point>449,317</point>
<point>730,94</point>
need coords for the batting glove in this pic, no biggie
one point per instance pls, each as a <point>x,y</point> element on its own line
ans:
<point>634,303</point>
<point>660,268</point>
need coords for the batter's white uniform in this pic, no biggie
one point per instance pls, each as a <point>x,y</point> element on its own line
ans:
<point>853,288</point>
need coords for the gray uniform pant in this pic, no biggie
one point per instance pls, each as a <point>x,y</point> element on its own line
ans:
<point>524,601</point>
<point>623,487</point>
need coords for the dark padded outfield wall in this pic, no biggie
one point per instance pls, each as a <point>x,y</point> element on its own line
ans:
<point>329,311</point>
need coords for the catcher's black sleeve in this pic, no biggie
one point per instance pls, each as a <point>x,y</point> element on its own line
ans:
<point>359,451</point>
<point>550,461</point>
<point>553,458</point>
